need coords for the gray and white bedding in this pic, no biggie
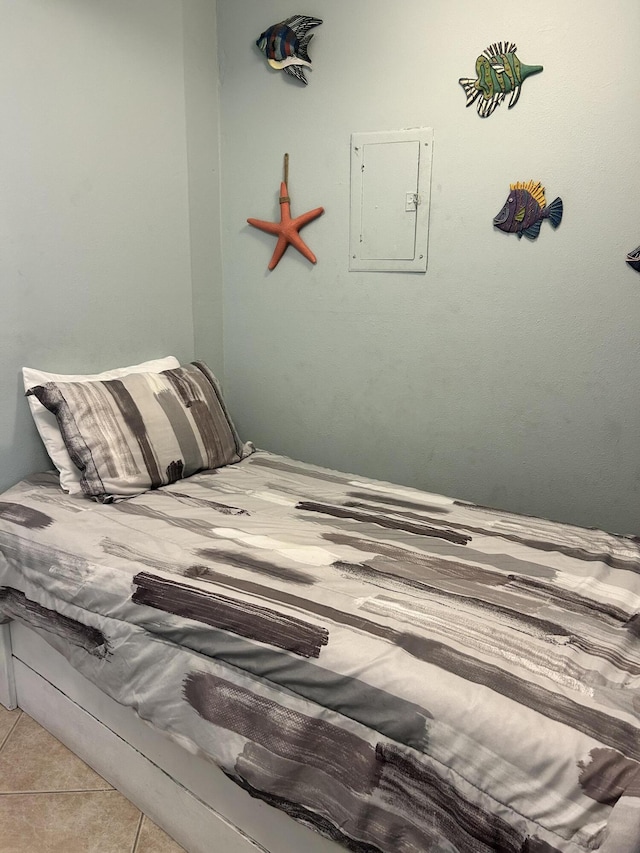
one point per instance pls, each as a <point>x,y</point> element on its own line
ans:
<point>403,672</point>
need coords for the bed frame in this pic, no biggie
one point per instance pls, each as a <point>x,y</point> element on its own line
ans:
<point>188,796</point>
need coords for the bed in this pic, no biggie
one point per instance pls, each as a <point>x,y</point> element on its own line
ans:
<point>281,657</point>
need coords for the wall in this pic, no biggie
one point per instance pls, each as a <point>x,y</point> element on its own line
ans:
<point>203,134</point>
<point>508,374</point>
<point>94,217</point>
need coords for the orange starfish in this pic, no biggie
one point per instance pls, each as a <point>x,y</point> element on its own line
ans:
<point>287,229</point>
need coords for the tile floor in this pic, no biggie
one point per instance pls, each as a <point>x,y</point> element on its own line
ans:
<point>52,802</point>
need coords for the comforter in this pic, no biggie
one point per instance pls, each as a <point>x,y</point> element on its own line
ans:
<point>401,671</point>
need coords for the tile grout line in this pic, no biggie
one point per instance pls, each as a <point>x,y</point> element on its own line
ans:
<point>69,791</point>
<point>137,838</point>
<point>10,732</point>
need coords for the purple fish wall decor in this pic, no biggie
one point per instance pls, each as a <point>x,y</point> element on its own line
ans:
<point>286,45</point>
<point>498,72</point>
<point>525,208</point>
<point>633,259</point>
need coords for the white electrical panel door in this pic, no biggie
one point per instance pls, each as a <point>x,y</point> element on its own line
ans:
<point>390,195</point>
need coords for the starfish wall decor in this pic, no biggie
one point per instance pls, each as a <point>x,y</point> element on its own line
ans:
<point>287,229</point>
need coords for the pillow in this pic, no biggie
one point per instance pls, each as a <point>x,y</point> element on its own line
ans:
<point>47,425</point>
<point>143,430</point>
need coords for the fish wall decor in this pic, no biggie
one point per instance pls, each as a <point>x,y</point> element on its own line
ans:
<point>286,45</point>
<point>633,259</point>
<point>525,208</point>
<point>498,72</point>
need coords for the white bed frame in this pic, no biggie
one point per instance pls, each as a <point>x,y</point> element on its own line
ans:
<point>189,797</point>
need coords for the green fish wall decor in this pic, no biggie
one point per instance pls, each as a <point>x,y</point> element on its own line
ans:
<point>498,71</point>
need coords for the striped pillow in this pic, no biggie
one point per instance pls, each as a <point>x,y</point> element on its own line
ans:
<point>143,430</point>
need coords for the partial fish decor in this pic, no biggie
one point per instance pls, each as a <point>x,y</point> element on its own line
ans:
<point>498,71</point>
<point>633,259</point>
<point>287,229</point>
<point>286,45</point>
<point>525,208</point>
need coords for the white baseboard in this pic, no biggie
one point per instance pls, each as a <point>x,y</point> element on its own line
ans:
<point>7,680</point>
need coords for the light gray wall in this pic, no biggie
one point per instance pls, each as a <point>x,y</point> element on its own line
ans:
<point>94,215</point>
<point>203,133</point>
<point>508,374</point>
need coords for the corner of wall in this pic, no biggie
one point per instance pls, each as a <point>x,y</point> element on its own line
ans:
<point>202,124</point>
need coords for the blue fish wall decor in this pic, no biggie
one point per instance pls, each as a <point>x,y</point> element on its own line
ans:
<point>286,45</point>
<point>633,259</point>
<point>525,208</point>
<point>498,72</point>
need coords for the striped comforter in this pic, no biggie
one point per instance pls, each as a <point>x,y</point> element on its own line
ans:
<point>404,672</point>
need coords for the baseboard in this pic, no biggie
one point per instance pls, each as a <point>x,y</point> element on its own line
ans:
<point>7,680</point>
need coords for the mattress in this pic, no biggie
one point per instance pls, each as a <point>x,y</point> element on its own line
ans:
<point>399,670</point>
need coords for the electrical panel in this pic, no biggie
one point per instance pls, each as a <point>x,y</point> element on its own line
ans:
<point>390,197</point>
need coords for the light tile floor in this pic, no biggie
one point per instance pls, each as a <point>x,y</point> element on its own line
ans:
<point>52,802</point>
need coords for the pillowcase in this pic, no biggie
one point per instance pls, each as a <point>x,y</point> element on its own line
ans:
<point>47,425</point>
<point>143,430</point>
